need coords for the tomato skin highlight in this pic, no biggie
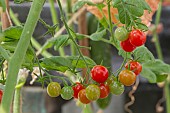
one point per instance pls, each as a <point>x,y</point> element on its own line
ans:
<point>127,46</point>
<point>104,90</point>
<point>53,89</point>
<point>127,77</point>
<point>121,34</point>
<point>134,66</point>
<point>77,88</point>
<point>82,97</point>
<point>137,38</point>
<point>92,92</point>
<point>99,73</point>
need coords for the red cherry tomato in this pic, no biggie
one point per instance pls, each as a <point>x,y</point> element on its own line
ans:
<point>99,73</point>
<point>77,88</point>
<point>104,90</point>
<point>1,94</point>
<point>127,77</point>
<point>127,46</point>
<point>137,38</point>
<point>82,97</point>
<point>134,66</point>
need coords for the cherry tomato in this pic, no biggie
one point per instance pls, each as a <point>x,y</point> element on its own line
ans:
<point>134,66</point>
<point>77,88</point>
<point>67,92</point>
<point>127,46</point>
<point>121,34</point>
<point>53,89</point>
<point>82,97</point>
<point>116,88</point>
<point>103,103</point>
<point>92,92</point>
<point>104,90</point>
<point>137,38</point>
<point>127,77</point>
<point>99,73</point>
<point>1,94</point>
<point>110,80</point>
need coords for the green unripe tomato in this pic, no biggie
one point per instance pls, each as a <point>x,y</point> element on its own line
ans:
<point>116,88</point>
<point>121,34</point>
<point>93,92</point>
<point>67,92</point>
<point>104,103</point>
<point>53,89</point>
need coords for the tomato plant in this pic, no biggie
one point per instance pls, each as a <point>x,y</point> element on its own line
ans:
<point>104,90</point>
<point>94,81</point>
<point>121,34</point>
<point>137,38</point>
<point>93,92</point>
<point>116,88</point>
<point>53,89</point>
<point>77,88</point>
<point>127,46</point>
<point>99,73</point>
<point>82,97</point>
<point>67,92</point>
<point>134,66</point>
<point>127,77</point>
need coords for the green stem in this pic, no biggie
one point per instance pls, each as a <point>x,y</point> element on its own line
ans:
<point>18,56</point>
<point>16,107</point>
<point>160,56</point>
<point>55,21</point>
<point>34,42</point>
<point>155,36</point>
<point>111,26</point>
<point>70,34</point>
<point>69,9</point>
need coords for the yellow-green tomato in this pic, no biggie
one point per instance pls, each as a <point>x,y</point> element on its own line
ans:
<point>67,92</point>
<point>121,34</point>
<point>116,88</point>
<point>53,89</point>
<point>93,92</point>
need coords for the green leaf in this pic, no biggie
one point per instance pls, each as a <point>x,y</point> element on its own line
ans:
<point>60,41</point>
<point>97,36</point>
<point>21,1</point>
<point>12,33</point>
<point>78,5</point>
<point>56,63</point>
<point>155,71</point>
<point>56,42</point>
<point>142,26</point>
<point>143,54</point>
<point>62,64</point>
<point>130,10</point>
<point>3,5</point>
<point>81,63</point>
<point>124,54</point>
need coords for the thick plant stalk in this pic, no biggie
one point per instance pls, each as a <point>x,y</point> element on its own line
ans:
<point>20,51</point>
<point>16,107</point>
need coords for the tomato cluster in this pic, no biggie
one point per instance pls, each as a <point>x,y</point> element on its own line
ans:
<point>102,86</point>
<point>129,41</point>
